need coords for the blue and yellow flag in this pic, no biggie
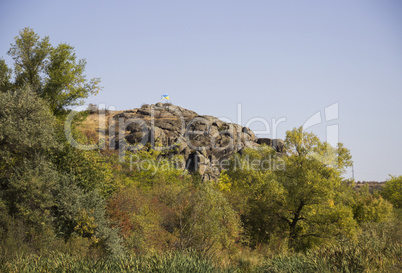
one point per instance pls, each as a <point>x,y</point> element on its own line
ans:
<point>165,97</point>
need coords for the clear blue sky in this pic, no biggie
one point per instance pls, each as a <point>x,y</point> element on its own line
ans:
<point>286,59</point>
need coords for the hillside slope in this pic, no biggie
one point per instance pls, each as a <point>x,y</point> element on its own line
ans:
<point>204,141</point>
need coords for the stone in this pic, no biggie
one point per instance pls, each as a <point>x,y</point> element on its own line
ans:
<point>202,141</point>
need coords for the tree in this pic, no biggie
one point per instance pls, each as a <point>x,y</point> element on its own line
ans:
<point>206,220</point>
<point>66,84</point>
<point>81,213</point>
<point>5,76</point>
<point>312,205</point>
<point>26,129</point>
<point>54,73</point>
<point>252,188</point>
<point>38,197</point>
<point>27,178</point>
<point>166,209</point>
<point>304,196</point>
<point>29,54</point>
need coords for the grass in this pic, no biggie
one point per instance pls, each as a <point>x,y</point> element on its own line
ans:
<point>365,255</point>
<point>57,262</point>
<point>362,256</point>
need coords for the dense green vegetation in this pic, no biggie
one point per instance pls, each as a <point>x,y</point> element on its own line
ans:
<point>69,210</point>
<point>53,73</point>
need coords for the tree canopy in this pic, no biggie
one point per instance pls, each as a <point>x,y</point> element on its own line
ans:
<point>53,72</point>
<point>301,194</point>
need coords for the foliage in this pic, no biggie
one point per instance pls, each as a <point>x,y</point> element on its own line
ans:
<point>370,207</point>
<point>54,73</point>
<point>175,213</point>
<point>372,252</point>
<point>252,191</point>
<point>26,128</point>
<point>27,178</point>
<point>300,195</point>
<point>36,198</point>
<point>28,193</point>
<point>66,84</point>
<point>5,76</point>
<point>86,168</point>
<point>206,220</point>
<point>392,191</point>
<point>83,214</point>
<point>29,54</point>
<point>169,262</point>
<point>143,220</point>
<point>26,139</point>
<point>312,204</point>
<point>67,209</point>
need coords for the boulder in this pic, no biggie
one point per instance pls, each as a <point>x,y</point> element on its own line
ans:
<point>202,141</point>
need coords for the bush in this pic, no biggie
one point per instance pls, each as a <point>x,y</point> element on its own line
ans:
<point>372,252</point>
<point>369,207</point>
<point>392,191</point>
<point>26,129</point>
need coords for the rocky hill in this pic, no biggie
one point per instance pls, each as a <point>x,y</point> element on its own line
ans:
<point>203,140</point>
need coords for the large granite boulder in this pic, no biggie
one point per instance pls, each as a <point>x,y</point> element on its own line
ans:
<point>204,141</point>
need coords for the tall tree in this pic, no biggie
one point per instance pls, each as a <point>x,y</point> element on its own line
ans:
<point>300,194</point>
<point>65,83</point>
<point>30,58</point>
<point>312,206</point>
<point>54,73</point>
<point>27,138</point>
<point>38,196</point>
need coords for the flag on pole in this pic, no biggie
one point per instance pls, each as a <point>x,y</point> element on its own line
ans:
<point>165,97</point>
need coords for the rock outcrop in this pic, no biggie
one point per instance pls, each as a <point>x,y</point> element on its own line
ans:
<point>204,141</point>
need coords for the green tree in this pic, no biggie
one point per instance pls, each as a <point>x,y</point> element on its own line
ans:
<point>83,214</point>
<point>26,129</point>
<point>5,76</point>
<point>392,191</point>
<point>311,183</point>
<point>38,199</point>
<point>66,84</point>
<point>27,178</point>
<point>29,190</point>
<point>29,54</point>
<point>253,190</point>
<point>54,73</point>
<point>206,221</point>
<point>300,194</point>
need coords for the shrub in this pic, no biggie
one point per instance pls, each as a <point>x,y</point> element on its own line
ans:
<point>372,252</point>
<point>369,207</point>
<point>392,191</point>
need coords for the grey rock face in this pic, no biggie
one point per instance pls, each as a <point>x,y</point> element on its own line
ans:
<point>204,141</point>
